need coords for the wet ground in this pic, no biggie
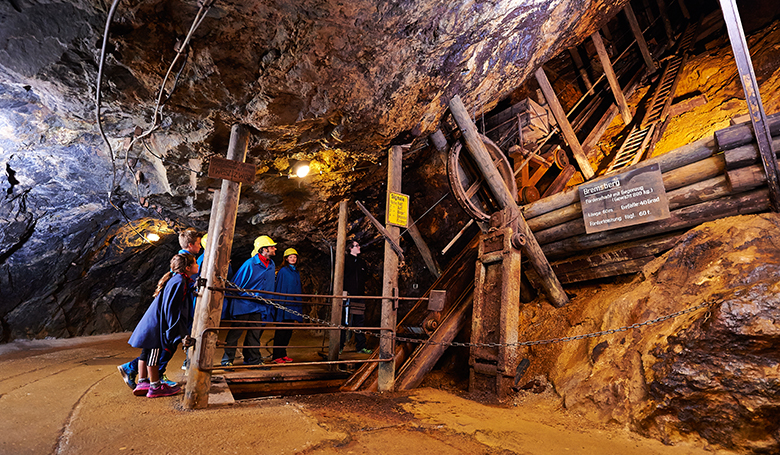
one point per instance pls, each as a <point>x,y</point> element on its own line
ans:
<point>66,397</point>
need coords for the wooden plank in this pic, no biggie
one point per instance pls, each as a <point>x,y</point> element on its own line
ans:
<point>563,124</point>
<point>683,218</point>
<point>686,105</point>
<point>747,155</point>
<point>682,156</point>
<point>612,269</point>
<point>665,19</point>
<point>577,59</point>
<point>614,85</point>
<point>560,181</point>
<point>424,358</point>
<point>706,190</point>
<point>640,38</point>
<point>747,178</point>
<point>425,252</point>
<point>742,134</point>
<point>676,178</point>
<point>617,253</point>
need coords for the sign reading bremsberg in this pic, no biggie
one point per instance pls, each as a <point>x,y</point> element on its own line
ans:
<point>634,197</point>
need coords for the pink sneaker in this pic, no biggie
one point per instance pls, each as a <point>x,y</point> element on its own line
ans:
<point>287,359</point>
<point>163,391</point>
<point>141,389</point>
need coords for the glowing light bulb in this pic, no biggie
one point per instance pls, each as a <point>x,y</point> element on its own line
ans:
<point>302,171</point>
<point>152,237</point>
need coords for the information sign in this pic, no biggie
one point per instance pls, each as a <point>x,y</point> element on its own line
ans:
<point>634,197</point>
<point>235,171</point>
<point>397,209</point>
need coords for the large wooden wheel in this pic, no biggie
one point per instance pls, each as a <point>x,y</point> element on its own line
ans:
<point>469,187</point>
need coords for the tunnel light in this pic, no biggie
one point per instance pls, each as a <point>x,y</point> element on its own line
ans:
<point>301,169</point>
<point>152,237</point>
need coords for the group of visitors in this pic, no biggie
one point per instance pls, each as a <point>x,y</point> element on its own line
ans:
<point>168,321</point>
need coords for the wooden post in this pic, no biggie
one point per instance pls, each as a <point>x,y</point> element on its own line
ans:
<point>386,370</point>
<point>207,253</point>
<point>479,153</point>
<point>575,56</point>
<point>208,310</point>
<point>563,123</point>
<point>430,261</point>
<point>334,337</point>
<point>684,9</point>
<point>620,100</point>
<point>753,98</point>
<point>665,19</point>
<point>640,38</point>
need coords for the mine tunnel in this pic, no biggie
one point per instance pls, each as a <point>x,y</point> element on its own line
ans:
<point>576,199</point>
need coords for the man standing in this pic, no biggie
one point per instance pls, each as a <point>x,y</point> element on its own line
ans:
<point>257,273</point>
<point>355,284</point>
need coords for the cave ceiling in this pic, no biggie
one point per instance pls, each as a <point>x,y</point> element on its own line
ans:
<point>331,82</point>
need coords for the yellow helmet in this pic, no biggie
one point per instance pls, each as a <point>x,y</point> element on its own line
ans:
<point>290,251</point>
<point>203,241</point>
<point>261,242</point>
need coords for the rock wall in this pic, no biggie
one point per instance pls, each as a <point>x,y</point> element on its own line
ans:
<point>712,373</point>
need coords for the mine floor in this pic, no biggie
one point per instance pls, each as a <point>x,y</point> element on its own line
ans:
<point>66,397</point>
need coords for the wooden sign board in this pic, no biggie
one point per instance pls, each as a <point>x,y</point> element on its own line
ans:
<point>634,197</point>
<point>235,171</point>
<point>397,209</point>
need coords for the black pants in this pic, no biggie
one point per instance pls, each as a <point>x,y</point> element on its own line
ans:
<point>356,320</point>
<point>251,355</point>
<point>281,339</point>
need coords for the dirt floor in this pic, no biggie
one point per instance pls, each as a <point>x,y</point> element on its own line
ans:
<point>66,397</point>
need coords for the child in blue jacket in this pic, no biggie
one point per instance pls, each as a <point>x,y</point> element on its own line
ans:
<point>164,325</point>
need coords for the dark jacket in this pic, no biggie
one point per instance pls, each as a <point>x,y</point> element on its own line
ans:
<point>288,281</point>
<point>167,319</point>
<point>355,282</point>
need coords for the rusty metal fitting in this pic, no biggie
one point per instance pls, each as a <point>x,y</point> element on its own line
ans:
<point>518,240</point>
<point>431,325</point>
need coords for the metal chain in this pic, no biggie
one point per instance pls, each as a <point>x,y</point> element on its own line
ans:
<point>626,328</point>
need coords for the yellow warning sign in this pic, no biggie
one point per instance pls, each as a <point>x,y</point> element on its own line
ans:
<point>397,209</point>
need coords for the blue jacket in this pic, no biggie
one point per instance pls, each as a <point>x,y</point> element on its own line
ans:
<point>167,319</point>
<point>288,281</point>
<point>254,275</point>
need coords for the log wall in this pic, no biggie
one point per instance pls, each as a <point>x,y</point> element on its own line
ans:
<point>709,179</point>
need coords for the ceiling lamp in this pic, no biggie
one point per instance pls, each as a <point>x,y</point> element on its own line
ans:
<point>152,237</point>
<point>300,169</point>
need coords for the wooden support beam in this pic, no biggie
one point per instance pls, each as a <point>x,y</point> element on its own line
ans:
<point>640,38</point>
<point>424,358</point>
<point>386,370</point>
<point>208,308</point>
<point>648,11</point>
<point>684,9</point>
<point>476,148</point>
<point>620,100</point>
<point>577,59</point>
<point>665,18</point>
<point>753,98</point>
<point>334,337</point>
<point>427,256</point>
<point>564,125</point>
<point>683,218</point>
